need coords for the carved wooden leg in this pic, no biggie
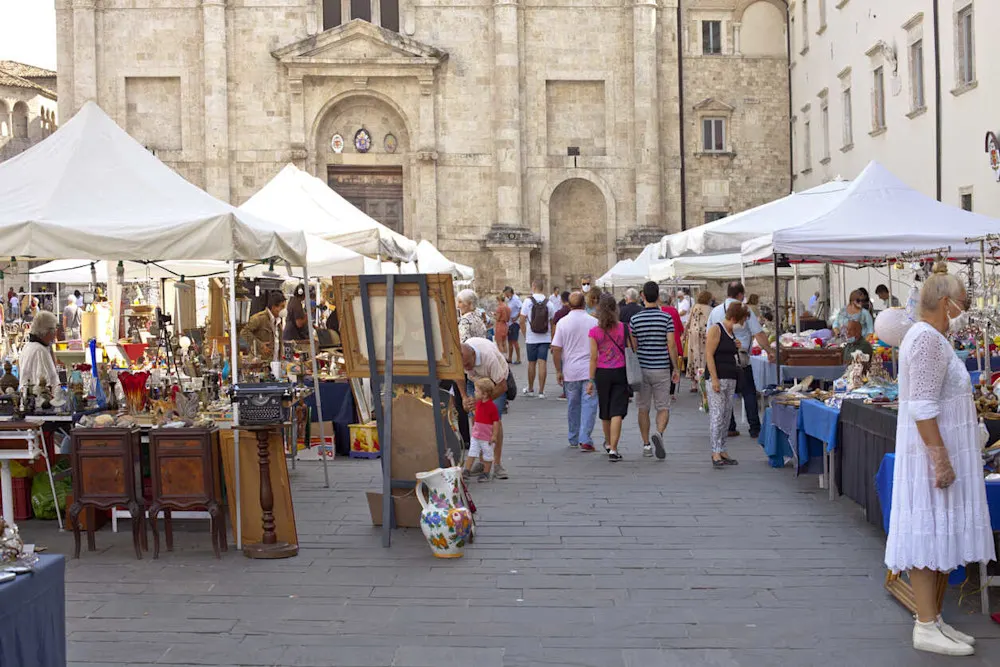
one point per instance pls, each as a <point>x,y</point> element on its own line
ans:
<point>143,540</point>
<point>91,522</point>
<point>136,511</point>
<point>74,517</point>
<point>222,528</point>
<point>168,522</point>
<point>154,509</point>
<point>266,494</point>
<point>213,512</point>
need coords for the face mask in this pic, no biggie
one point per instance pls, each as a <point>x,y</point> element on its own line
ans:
<point>585,288</point>
<point>851,339</point>
<point>283,314</point>
<point>959,322</point>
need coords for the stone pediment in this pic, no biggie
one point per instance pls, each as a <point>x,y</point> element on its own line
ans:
<point>359,42</point>
<point>712,104</point>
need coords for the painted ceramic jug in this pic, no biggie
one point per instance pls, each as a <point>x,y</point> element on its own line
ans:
<point>445,519</point>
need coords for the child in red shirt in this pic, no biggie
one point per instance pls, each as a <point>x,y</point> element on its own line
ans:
<point>485,429</point>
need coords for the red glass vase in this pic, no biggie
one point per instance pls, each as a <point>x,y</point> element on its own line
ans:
<point>134,385</point>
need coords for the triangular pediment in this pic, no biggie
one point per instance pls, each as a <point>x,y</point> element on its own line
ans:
<point>359,40</point>
<point>712,104</point>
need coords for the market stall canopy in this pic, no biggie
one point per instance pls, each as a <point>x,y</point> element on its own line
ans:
<point>728,234</point>
<point>429,260</point>
<point>878,217</point>
<point>722,267</point>
<point>633,271</point>
<point>91,190</point>
<point>302,201</point>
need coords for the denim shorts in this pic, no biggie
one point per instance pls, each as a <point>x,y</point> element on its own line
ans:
<point>538,351</point>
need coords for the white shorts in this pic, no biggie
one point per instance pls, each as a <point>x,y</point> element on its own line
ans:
<point>483,448</point>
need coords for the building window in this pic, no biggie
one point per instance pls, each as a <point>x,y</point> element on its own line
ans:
<point>389,14</point>
<point>965,47</point>
<point>711,37</point>
<point>805,26</point>
<point>878,99</point>
<point>845,97</point>
<point>713,135</point>
<point>806,146</point>
<point>824,117</point>
<point>966,201</point>
<point>361,9</point>
<point>917,75</point>
<point>331,14</point>
<point>712,216</point>
<point>19,121</point>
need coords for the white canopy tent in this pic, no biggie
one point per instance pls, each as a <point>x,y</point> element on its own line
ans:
<point>633,271</point>
<point>304,202</point>
<point>429,260</point>
<point>879,216</point>
<point>722,267</point>
<point>91,190</point>
<point>728,234</point>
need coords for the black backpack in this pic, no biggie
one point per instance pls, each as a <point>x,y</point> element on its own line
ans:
<point>539,320</point>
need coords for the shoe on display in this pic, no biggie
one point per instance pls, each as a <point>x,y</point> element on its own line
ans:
<point>499,472</point>
<point>953,634</point>
<point>657,441</point>
<point>930,638</point>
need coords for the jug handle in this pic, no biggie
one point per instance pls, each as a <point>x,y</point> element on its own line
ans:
<point>419,491</point>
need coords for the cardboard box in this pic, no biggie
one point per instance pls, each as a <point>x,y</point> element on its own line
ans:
<point>364,441</point>
<point>406,507</point>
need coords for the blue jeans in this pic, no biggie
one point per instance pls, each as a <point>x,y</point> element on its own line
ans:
<point>500,401</point>
<point>581,411</point>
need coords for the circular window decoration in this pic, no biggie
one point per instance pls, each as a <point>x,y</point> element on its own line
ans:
<point>337,143</point>
<point>363,141</point>
<point>391,143</point>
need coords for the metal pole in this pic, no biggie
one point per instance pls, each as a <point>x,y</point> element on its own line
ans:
<point>777,326</point>
<point>319,394</point>
<point>986,337</point>
<point>234,347</point>
<point>798,315</point>
<point>386,398</point>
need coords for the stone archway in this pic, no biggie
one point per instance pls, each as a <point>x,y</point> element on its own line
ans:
<point>577,232</point>
<point>376,181</point>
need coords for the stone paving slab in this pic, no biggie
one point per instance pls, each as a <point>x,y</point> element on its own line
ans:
<point>578,562</point>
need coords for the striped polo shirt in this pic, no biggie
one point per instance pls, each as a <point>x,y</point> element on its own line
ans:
<point>652,327</point>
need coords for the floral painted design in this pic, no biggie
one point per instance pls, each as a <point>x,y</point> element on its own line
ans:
<point>439,500</point>
<point>439,541</point>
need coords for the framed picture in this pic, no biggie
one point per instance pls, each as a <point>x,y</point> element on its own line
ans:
<point>409,345</point>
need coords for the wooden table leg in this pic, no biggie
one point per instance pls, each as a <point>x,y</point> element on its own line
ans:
<point>268,547</point>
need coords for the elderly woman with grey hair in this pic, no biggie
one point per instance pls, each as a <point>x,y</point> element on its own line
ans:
<point>666,301</point>
<point>630,307</point>
<point>36,362</point>
<point>470,323</point>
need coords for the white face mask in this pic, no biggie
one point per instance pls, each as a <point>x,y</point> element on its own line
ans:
<point>585,288</point>
<point>283,314</point>
<point>959,322</point>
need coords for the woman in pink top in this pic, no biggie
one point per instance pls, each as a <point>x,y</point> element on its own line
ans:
<point>607,372</point>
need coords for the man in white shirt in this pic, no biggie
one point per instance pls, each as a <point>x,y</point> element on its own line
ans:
<point>71,319</point>
<point>571,354</point>
<point>684,305</point>
<point>514,326</point>
<point>536,320</point>
<point>482,359</point>
<point>556,298</point>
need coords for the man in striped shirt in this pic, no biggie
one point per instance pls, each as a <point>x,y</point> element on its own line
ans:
<point>653,336</point>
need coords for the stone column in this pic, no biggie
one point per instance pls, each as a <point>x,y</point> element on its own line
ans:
<point>507,112</point>
<point>84,54</point>
<point>216,88</point>
<point>297,122</point>
<point>426,223</point>
<point>645,114</point>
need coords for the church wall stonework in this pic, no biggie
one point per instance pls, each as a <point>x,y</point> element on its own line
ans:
<point>483,96</point>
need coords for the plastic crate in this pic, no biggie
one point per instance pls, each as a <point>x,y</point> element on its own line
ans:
<point>22,498</point>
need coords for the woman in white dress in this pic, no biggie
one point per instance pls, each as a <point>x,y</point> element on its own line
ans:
<point>939,519</point>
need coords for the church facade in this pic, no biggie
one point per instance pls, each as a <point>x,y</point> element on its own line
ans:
<point>523,137</point>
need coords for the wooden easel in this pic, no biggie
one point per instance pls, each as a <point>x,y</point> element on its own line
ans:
<point>902,590</point>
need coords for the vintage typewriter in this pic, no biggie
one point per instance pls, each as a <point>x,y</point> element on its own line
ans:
<point>262,403</point>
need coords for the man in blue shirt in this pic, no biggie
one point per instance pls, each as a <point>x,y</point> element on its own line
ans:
<point>745,335</point>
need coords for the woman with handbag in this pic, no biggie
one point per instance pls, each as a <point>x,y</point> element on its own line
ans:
<point>607,372</point>
<point>722,370</point>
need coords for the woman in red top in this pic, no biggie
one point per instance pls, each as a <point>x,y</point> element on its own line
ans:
<point>666,305</point>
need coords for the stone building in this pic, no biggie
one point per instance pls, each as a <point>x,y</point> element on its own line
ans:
<point>27,106</point>
<point>524,138</point>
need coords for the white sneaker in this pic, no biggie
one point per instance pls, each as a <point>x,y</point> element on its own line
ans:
<point>929,637</point>
<point>953,634</point>
<point>541,396</point>
<point>528,392</point>
<point>647,451</point>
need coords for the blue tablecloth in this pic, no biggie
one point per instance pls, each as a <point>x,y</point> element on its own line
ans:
<point>33,617</point>
<point>973,365</point>
<point>338,407</point>
<point>883,485</point>
<point>774,441</point>
<point>765,373</point>
<point>820,422</point>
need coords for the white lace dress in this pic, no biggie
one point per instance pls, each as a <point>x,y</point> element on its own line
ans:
<point>939,529</point>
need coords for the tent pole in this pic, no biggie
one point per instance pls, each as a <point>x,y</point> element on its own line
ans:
<point>777,326</point>
<point>986,338</point>
<point>795,292</point>
<point>234,347</point>
<point>319,394</point>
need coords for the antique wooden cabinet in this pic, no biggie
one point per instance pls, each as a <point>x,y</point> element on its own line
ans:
<point>186,474</point>
<point>105,464</point>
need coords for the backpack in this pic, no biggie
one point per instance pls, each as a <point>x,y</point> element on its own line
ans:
<point>539,320</point>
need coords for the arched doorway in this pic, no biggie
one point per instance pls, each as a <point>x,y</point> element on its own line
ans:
<point>374,180</point>
<point>578,236</point>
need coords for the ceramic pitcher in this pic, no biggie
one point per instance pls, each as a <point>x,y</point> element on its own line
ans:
<point>445,519</point>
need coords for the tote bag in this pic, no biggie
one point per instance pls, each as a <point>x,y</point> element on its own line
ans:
<point>633,371</point>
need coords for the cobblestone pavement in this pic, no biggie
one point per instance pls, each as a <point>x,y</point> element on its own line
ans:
<point>577,562</point>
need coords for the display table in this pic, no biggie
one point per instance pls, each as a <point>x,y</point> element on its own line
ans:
<point>818,436</point>
<point>33,616</point>
<point>338,407</point>
<point>973,365</point>
<point>883,484</point>
<point>867,434</point>
<point>765,373</point>
<point>774,440</point>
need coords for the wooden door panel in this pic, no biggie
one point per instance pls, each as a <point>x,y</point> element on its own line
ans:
<point>102,476</point>
<point>182,476</point>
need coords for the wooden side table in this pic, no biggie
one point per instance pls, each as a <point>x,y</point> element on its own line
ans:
<point>105,465</point>
<point>185,470</point>
<point>269,546</point>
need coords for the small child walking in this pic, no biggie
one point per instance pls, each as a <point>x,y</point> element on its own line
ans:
<point>485,429</point>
